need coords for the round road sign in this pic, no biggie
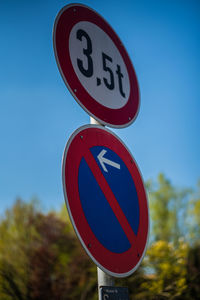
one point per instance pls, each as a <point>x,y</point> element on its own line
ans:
<point>106,199</point>
<point>95,66</point>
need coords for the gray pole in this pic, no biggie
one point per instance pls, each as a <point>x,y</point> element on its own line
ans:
<point>94,122</point>
<point>103,278</point>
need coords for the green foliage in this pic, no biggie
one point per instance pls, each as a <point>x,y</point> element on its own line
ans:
<point>194,213</point>
<point>193,273</point>
<point>168,270</point>
<point>168,210</point>
<point>41,257</point>
<point>175,226</point>
<point>16,236</point>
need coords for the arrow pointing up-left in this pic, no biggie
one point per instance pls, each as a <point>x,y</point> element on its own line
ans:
<point>104,161</point>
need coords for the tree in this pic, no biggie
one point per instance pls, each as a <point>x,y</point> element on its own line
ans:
<point>193,221</point>
<point>167,266</point>
<point>171,264</point>
<point>41,258</point>
<point>16,241</point>
<point>60,268</point>
<point>168,210</point>
<point>193,273</point>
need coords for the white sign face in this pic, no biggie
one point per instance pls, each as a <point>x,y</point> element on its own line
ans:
<point>98,65</point>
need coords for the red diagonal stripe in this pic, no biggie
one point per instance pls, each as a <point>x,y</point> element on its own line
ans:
<point>110,196</point>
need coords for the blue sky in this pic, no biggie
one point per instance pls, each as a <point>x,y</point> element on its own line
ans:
<point>38,114</point>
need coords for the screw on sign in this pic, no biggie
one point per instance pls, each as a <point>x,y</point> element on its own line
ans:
<point>106,199</point>
<point>95,66</point>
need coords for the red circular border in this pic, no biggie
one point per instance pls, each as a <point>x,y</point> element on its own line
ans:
<point>119,265</point>
<point>66,19</point>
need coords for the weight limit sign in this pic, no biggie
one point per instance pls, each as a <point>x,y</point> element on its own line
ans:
<point>95,66</point>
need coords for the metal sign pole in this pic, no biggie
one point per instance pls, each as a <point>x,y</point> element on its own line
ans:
<point>94,121</point>
<point>103,278</point>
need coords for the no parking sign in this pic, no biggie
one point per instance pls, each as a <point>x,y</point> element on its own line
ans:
<point>106,199</point>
